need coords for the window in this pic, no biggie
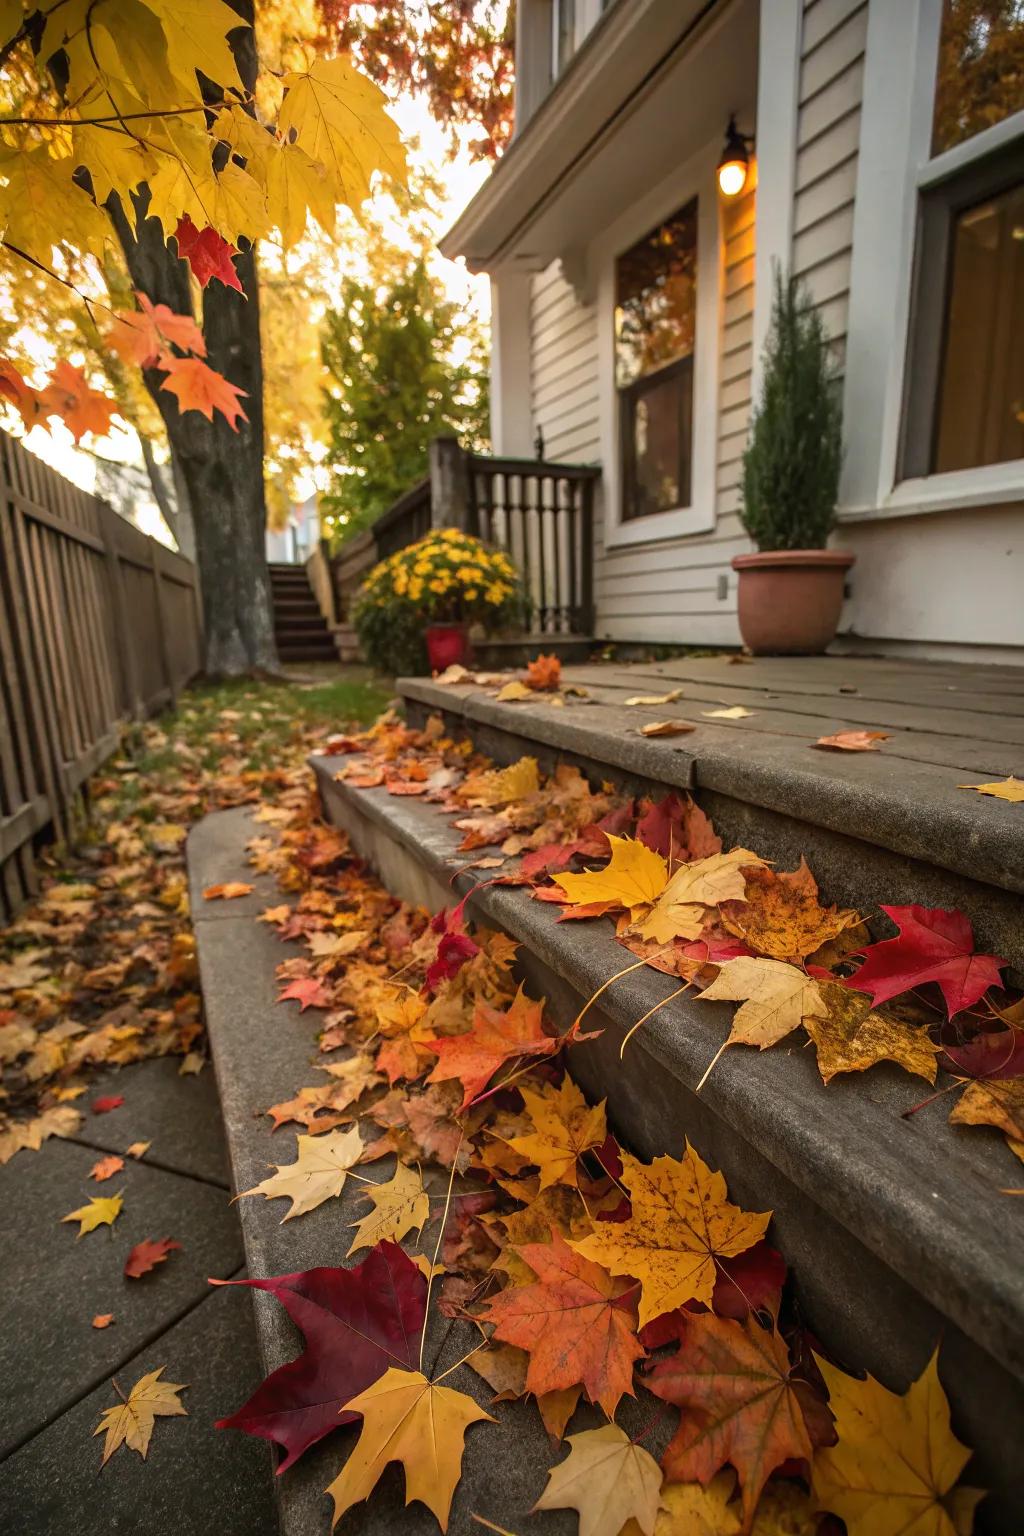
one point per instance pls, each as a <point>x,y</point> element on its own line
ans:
<point>980,78</point>
<point>655,325</point>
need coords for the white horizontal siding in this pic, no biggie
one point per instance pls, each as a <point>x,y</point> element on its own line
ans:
<point>563,369</point>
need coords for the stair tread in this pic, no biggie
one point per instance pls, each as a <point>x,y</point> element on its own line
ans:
<point>921,1195</point>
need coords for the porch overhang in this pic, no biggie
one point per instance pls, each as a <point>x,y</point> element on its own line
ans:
<point>654,80</point>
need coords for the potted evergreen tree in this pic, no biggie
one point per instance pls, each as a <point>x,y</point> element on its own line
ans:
<point>791,591</point>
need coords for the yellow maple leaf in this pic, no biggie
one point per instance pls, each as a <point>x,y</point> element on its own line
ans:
<point>297,186</point>
<point>514,692</point>
<point>776,998</point>
<point>565,1126</point>
<point>318,1173</point>
<point>896,1460</point>
<point>102,1210</point>
<point>851,1036</point>
<point>680,911</point>
<point>608,1479</point>
<point>681,1221</point>
<point>500,786</point>
<point>196,33</point>
<point>407,1418</point>
<point>41,206</point>
<point>634,877</point>
<point>399,1205</point>
<point>338,117</point>
<point>993,1101</point>
<point>688,1508</point>
<point>131,1422</point>
<point>1001,789</point>
<point>734,712</point>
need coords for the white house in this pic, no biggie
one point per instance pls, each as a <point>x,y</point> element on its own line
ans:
<point>631,296</point>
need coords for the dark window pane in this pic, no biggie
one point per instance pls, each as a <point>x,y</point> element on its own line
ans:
<point>980,78</point>
<point>656,426</point>
<point>981,393</point>
<point>656,298</point>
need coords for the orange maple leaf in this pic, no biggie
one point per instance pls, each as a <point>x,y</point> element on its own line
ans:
<point>494,1038</point>
<point>740,1405</point>
<point>143,335</point>
<point>544,673</point>
<point>81,408</point>
<point>198,387</point>
<point>575,1322</point>
<point>22,396</point>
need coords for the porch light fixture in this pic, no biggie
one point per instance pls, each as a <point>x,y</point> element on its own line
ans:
<point>735,161</point>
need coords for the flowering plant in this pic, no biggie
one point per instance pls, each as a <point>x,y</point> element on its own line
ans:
<point>447,577</point>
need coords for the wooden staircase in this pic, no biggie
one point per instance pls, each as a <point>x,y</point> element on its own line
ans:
<point>300,629</point>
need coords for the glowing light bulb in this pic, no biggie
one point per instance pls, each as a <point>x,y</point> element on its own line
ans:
<point>732,177</point>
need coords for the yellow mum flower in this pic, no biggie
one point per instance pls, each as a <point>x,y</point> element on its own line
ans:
<point>471,594</point>
<point>439,584</point>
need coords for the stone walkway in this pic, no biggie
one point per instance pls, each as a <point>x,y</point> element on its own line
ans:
<point>56,1368</point>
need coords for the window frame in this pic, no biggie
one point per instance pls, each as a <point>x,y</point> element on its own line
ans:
<point>680,368</point>
<point>897,176</point>
<point>694,179</point>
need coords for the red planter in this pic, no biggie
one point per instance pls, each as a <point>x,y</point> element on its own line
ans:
<point>789,599</point>
<point>447,646</point>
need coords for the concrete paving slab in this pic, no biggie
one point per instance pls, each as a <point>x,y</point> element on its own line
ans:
<point>54,1283</point>
<point>195,1481</point>
<point>179,1115</point>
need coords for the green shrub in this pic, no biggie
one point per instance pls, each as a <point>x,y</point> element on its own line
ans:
<point>791,465</point>
<point>447,577</point>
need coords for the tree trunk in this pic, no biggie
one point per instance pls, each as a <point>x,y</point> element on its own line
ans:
<point>173,506</point>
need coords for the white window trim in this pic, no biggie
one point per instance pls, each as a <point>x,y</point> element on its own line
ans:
<point>894,166</point>
<point>695,178</point>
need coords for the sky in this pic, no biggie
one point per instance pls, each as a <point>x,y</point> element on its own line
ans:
<point>460,177</point>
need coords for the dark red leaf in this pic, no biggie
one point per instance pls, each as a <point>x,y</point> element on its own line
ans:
<point>104,1106</point>
<point>675,826</point>
<point>999,1054</point>
<point>933,945</point>
<point>207,253</point>
<point>452,953</point>
<point>356,1322</point>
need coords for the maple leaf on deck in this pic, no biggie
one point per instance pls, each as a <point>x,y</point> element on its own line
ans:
<point>308,992</point>
<point>608,1479</point>
<point>105,1168</point>
<point>634,877</point>
<point>207,253</point>
<point>677,828</point>
<point>228,890</point>
<point>733,1382</point>
<point>29,1135</point>
<point>104,1105</point>
<point>492,787</point>
<point>681,1220</point>
<point>896,1460</point>
<point>933,945</point>
<point>504,1368</point>
<point>356,1322</point>
<point>102,1210</point>
<point>996,1103</point>
<point>198,387</point>
<point>103,1319</point>
<point>565,1126</point>
<point>681,909</point>
<point>781,916</point>
<point>687,1509</point>
<point>407,1418</point>
<point>851,1037</point>
<point>573,1322</point>
<point>131,1422</point>
<point>147,1255</point>
<point>1010,789</point>
<point>776,999</point>
<point>494,1038</point>
<point>399,1205</point>
<point>318,1173</point>
<point>453,950</point>
<point>543,673</point>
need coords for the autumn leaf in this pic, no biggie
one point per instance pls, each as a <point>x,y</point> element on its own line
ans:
<point>81,408</point>
<point>654,699</point>
<point>147,1255</point>
<point>677,828</point>
<point>103,1319</point>
<point>739,1404</point>
<point>681,1221</point>
<point>680,910</point>
<point>318,1173</point>
<point>144,335</point>
<point>896,1461</point>
<point>564,1127</point>
<point>993,1102</point>
<point>105,1105</point>
<point>198,387</point>
<point>105,1168</point>
<point>131,1422</point>
<point>733,712</point>
<point>687,1509</point>
<point>308,992</point>
<point>399,1206</point>
<point>495,1037</point>
<point>407,1418</point>
<point>544,673</point>
<point>356,1322</point>
<point>851,741</point>
<point>850,1037</point>
<point>1010,789</point>
<point>338,117</point>
<point>102,1210</point>
<point>500,786</point>
<point>504,1369</point>
<point>207,253</point>
<point>933,945</point>
<point>573,1322</point>
<point>781,916</point>
<point>667,728</point>
<point>776,999</point>
<point>229,890</point>
<point>634,877</point>
<point>608,1479</point>
<point>138,1148</point>
<point>29,1135</point>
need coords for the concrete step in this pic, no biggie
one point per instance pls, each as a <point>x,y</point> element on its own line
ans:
<point>895,1229</point>
<point>262,1054</point>
<point>874,828</point>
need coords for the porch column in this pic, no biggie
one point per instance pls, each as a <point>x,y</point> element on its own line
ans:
<point>778,90</point>
<point>511,426</point>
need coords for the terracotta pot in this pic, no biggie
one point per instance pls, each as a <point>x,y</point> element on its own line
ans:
<point>447,646</point>
<point>789,599</point>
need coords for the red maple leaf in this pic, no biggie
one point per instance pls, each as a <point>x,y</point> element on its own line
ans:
<point>357,1322</point>
<point>207,253</point>
<point>495,1037</point>
<point>750,1281</point>
<point>678,827</point>
<point>574,1321</point>
<point>452,953</point>
<point>198,387</point>
<point>104,1106</point>
<point>933,945</point>
<point>147,1255</point>
<point>308,992</point>
<point>999,1053</point>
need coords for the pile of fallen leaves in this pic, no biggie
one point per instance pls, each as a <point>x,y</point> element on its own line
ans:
<point>589,1274</point>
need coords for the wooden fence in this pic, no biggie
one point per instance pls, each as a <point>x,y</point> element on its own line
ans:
<point>98,624</point>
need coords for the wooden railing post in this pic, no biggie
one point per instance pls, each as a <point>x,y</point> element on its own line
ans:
<point>587,613</point>
<point>127,660</point>
<point>450,502</point>
<point>161,622</point>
